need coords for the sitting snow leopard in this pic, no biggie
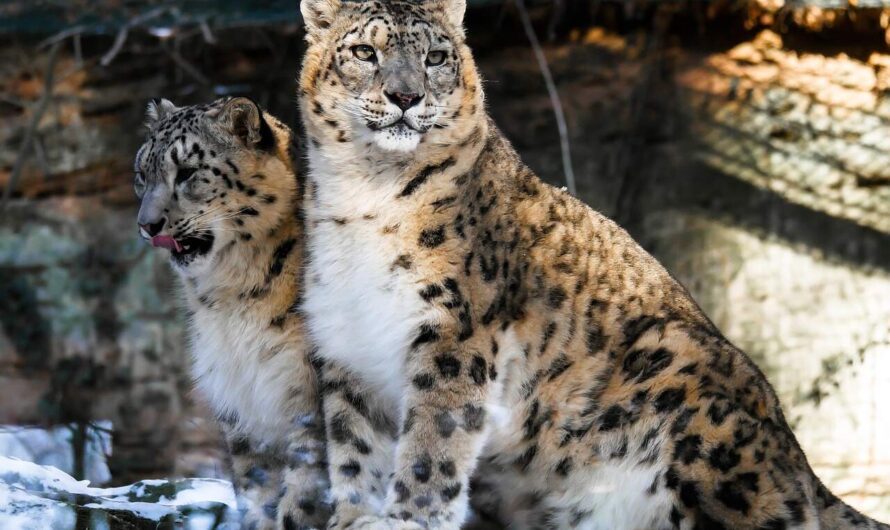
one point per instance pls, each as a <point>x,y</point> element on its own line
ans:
<point>476,323</point>
<point>218,190</point>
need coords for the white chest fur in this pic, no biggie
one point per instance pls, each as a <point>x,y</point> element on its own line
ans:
<point>241,367</point>
<point>363,311</point>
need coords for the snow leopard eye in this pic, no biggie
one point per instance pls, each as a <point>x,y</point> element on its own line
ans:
<point>139,184</point>
<point>363,52</point>
<point>184,173</point>
<point>435,58</point>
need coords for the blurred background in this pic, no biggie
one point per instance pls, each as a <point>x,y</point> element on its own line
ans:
<point>743,142</point>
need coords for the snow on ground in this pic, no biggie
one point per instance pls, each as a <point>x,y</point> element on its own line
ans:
<point>35,497</point>
<point>52,447</point>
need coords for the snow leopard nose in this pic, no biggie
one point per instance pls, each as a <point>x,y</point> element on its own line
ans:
<point>153,229</point>
<point>404,101</point>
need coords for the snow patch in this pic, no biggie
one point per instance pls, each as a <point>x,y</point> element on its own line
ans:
<point>35,497</point>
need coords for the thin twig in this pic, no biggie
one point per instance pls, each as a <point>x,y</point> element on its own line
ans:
<point>186,66</point>
<point>78,51</point>
<point>28,140</point>
<point>62,35</point>
<point>554,97</point>
<point>119,41</point>
<point>124,32</point>
<point>209,38</point>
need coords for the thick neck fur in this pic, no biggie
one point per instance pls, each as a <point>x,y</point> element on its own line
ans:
<point>248,347</point>
<point>237,282</point>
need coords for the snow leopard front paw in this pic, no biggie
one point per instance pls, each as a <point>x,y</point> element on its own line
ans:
<point>372,522</point>
<point>302,509</point>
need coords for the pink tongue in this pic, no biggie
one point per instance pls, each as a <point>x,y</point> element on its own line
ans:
<point>166,242</point>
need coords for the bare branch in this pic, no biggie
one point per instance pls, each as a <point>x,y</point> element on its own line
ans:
<point>554,97</point>
<point>186,66</point>
<point>78,51</point>
<point>209,38</point>
<point>119,41</point>
<point>124,32</point>
<point>62,35</point>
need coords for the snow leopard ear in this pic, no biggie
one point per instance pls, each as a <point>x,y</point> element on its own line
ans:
<point>318,16</point>
<point>455,11</point>
<point>157,110</point>
<point>243,118</point>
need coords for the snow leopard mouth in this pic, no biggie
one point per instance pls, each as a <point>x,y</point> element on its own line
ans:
<point>184,250</point>
<point>401,125</point>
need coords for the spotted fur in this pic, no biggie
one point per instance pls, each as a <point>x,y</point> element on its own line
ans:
<point>477,323</point>
<point>220,180</point>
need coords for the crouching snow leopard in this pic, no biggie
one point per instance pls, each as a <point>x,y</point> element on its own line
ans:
<point>218,189</point>
<point>475,323</point>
